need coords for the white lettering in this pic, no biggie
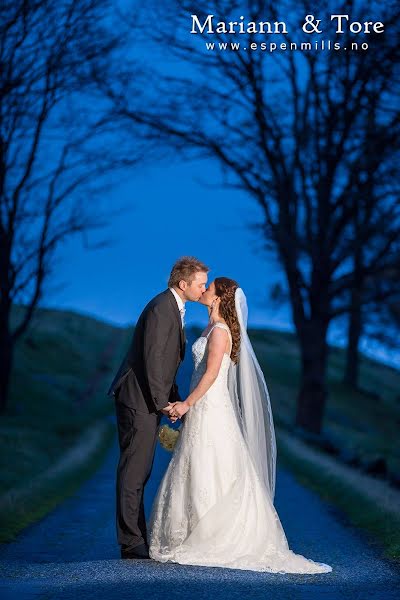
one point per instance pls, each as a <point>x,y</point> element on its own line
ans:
<point>339,25</point>
<point>201,28</point>
<point>356,26</point>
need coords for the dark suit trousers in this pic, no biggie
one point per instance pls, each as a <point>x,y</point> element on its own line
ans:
<point>137,436</point>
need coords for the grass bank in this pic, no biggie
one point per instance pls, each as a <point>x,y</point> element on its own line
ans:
<point>361,427</point>
<point>368,503</point>
<point>55,432</point>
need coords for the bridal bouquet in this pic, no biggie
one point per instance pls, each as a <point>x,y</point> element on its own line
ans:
<point>168,437</point>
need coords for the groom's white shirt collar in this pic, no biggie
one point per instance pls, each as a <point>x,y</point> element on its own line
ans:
<point>179,300</point>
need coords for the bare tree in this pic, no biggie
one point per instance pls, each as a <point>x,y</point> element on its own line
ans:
<point>376,316</point>
<point>52,139</point>
<point>374,222</point>
<point>289,128</point>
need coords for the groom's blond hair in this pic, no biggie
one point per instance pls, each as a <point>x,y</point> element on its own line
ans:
<point>185,268</point>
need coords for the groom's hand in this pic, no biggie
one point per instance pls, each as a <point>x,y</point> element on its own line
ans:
<point>179,410</point>
<point>167,409</point>
<point>171,417</point>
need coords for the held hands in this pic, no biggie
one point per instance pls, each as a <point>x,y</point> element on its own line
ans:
<point>166,411</point>
<point>175,410</point>
<point>178,410</point>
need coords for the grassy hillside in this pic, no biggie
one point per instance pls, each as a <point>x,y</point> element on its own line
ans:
<point>361,427</point>
<point>52,397</point>
<point>62,369</point>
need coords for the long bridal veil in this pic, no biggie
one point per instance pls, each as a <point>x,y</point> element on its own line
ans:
<point>249,394</point>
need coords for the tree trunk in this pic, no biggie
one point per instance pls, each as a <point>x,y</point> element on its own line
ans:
<point>353,339</point>
<point>312,396</point>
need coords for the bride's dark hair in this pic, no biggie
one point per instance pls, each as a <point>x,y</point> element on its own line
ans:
<point>225,289</point>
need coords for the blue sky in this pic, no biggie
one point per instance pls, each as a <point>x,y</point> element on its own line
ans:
<point>173,211</point>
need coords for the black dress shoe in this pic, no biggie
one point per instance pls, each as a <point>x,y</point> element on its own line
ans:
<point>141,551</point>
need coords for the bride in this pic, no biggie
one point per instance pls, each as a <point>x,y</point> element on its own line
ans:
<point>214,506</point>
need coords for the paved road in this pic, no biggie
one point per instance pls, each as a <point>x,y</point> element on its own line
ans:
<point>72,553</point>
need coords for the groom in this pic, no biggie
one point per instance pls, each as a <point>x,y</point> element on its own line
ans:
<point>144,389</point>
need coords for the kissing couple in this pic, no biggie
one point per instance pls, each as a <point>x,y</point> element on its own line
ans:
<point>215,504</point>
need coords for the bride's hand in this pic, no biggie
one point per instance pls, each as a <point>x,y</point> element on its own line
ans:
<point>179,409</point>
<point>215,308</point>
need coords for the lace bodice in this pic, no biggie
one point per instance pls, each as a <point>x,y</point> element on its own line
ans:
<point>200,353</point>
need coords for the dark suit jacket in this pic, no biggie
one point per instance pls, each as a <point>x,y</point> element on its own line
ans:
<point>146,378</point>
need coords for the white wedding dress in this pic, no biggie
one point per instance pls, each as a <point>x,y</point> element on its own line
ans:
<point>211,508</point>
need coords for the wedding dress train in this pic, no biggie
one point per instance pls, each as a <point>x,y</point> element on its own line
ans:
<point>211,508</point>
